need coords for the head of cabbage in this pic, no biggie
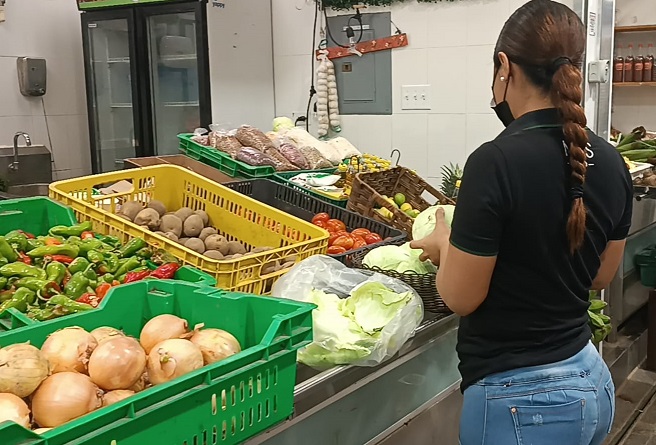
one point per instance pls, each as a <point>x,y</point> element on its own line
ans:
<point>425,222</point>
<point>282,123</point>
<point>399,259</point>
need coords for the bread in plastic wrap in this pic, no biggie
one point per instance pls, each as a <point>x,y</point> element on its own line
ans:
<point>256,158</point>
<point>252,137</point>
<point>302,139</point>
<point>314,158</point>
<point>293,154</point>
<point>344,147</point>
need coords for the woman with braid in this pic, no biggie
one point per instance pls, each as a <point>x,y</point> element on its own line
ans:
<point>542,217</point>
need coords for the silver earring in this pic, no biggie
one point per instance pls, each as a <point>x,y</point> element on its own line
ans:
<point>503,79</point>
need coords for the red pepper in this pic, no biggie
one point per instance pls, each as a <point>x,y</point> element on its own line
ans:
<point>87,235</point>
<point>24,259</point>
<point>131,277</point>
<point>165,271</point>
<point>67,277</point>
<point>51,289</point>
<point>60,259</point>
<point>27,235</point>
<point>89,299</point>
<point>53,242</point>
<point>102,290</point>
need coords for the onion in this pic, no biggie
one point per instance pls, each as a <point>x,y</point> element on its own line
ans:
<point>105,333</point>
<point>141,384</point>
<point>15,409</point>
<point>118,363</point>
<point>22,369</point>
<point>116,396</point>
<point>160,328</point>
<point>69,350</point>
<point>173,358</point>
<point>215,344</point>
<point>42,430</point>
<point>64,396</point>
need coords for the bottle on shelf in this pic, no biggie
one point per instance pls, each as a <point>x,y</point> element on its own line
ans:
<point>639,64</point>
<point>649,75</point>
<point>618,65</point>
<point>628,64</point>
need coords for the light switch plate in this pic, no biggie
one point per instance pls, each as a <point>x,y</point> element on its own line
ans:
<point>599,71</point>
<point>415,97</point>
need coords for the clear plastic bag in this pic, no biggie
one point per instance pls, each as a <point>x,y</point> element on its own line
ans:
<point>332,277</point>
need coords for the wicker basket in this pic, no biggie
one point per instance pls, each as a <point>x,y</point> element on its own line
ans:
<point>369,188</point>
<point>424,284</point>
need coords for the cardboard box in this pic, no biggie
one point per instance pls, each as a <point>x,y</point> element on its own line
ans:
<point>181,161</point>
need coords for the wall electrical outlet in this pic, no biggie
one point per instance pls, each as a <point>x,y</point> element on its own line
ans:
<point>415,97</point>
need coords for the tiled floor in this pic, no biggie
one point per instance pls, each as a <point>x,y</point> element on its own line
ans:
<point>635,419</point>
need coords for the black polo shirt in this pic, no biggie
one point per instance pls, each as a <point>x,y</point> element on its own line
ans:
<point>514,203</point>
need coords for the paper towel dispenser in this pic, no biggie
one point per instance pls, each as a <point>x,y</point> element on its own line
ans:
<point>31,76</point>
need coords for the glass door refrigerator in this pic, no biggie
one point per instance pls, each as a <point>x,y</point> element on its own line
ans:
<point>147,76</point>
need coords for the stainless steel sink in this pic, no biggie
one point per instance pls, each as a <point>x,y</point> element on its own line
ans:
<point>25,190</point>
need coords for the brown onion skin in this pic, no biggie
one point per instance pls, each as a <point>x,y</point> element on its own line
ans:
<point>63,397</point>
<point>118,363</point>
<point>16,409</point>
<point>215,344</point>
<point>160,328</point>
<point>116,396</point>
<point>22,369</point>
<point>64,356</point>
<point>162,372</point>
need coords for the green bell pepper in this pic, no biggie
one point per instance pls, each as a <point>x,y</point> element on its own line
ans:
<point>132,247</point>
<point>3,282</point>
<point>91,274</point>
<point>42,314</point>
<point>127,266</point>
<point>88,245</point>
<point>67,305</point>
<point>109,240</point>
<point>33,244</point>
<point>3,261</point>
<point>22,271</point>
<point>44,287</point>
<point>145,253</point>
<point>77,285</point>
<point>19,301</point>
<point>95,257</point>
<point>111,262</point>
<point>107,278</point>
<point>7,251</point>
<point>17,240</point>
<point>56,272</point>
<point>79,264</point>
<point>67,231</point>
<point>69,250</point>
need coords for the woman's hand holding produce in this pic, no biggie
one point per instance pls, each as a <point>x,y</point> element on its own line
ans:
<point>437,242</point>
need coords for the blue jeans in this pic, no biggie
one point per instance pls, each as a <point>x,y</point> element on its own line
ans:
<point>566,403</point>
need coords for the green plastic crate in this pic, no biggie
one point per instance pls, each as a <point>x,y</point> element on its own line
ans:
<point>221,161</point>
<point>34,215</point>
<point>13,319</point>
<point>285,178</point>
<point>227,402</point>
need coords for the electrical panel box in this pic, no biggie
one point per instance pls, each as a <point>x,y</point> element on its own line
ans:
<point>364,84</point>
<point>31,76</point>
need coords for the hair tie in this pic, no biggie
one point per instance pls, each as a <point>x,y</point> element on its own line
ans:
<point>560,61</point>
<point>576,192</point>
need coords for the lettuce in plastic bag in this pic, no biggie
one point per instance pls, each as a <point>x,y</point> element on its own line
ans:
<point>399,259</point>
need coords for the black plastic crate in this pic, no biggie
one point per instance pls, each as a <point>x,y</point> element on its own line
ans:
<point>304,206</point>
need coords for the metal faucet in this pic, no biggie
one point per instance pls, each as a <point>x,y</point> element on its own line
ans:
<point>28,142</point>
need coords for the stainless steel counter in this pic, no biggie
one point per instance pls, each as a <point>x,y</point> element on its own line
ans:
<point>354,406</point>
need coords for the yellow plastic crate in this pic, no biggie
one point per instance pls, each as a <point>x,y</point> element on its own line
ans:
<point>234,215</point>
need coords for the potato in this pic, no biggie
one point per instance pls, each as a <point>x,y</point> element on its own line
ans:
<point>172,236</point>
<point>236,247</point>
<point>183,240</point>
<point>271,267</point>
<point>207,231</point>
<point>148,217</point>
<point>145,227</point>
<point>171,223</point>
<point>236,255</point>
<point>204,217</point>
<point>126,217</point>
<point>214,254</point>
<point>260,249</point>
<point>131,209</point>
<point>195,244</point>
<point>218,242</point>
<point>193,226</point>
<point>184,213</point>
<point>157,205</point>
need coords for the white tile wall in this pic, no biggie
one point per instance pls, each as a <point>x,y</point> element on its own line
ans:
<point>48,29</point>
<point>451,48</point>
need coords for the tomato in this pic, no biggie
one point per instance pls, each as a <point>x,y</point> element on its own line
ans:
<point>360,232</point>
<point>336,250</point>
<point>359,243</point>
<point>320,217</point>
<point>372,238</point>
<point>344,241</point>
<point>321,224</point>
<point>339,225</point>
<point>333,237</point>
